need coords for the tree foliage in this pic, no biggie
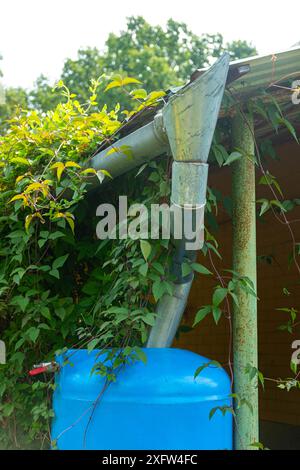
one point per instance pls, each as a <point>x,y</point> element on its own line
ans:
<point>159,57</point>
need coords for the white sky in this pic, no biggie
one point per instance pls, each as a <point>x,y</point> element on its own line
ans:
<point>37,35</point>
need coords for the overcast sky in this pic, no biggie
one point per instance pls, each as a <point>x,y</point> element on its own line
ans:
<point>37,35</point>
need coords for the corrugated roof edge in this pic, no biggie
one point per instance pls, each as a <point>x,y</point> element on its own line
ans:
<point>265,70</point>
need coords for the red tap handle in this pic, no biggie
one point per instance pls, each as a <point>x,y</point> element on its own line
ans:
<point>37,370</point>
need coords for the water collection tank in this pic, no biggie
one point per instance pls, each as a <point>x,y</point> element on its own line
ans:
<point>154,406</point>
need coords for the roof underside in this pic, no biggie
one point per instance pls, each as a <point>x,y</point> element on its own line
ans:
<point>273,74</point>
<point>266,71</point>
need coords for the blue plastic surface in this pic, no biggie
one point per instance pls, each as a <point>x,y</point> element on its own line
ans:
<point>156,406</point>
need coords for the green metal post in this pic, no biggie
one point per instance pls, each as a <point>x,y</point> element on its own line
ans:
<point>244,262</point>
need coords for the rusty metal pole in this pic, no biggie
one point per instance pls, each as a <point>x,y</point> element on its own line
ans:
<point>244,262</point>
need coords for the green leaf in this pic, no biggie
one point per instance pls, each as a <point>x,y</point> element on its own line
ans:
<point>278,204</point>
<point>21,160</point>
<point>217,312</point>
<point>258,445</point>
<point>251,371</point>
<point>261,379</point>
<point>18,275</point>
<point>141,169</point>
<point>92,344</point>
<point>46,312</point>
<point>220,153</point>
<point>118,82</point>
<point>91,288</point>
<point>18,358</point>
<point>118,310</point>
<point>159,267</point>
<point>219,295</point>
<point>141,355</point>
<point>44,234</point>
<point>293,367</point>
<point>8,409</point>
<point>270,180</point>
<point>154,96</point>
<point>42,242</point>
<point>143,269</point>
<point>158,290</point>
<point>199,370</point>
<point>59,262</point>
<point>169,287</point>
<point>54,273</point>
<point>101,175</point>
<point>139,94</point>
<point>71,223</point>
<point>204,366</point>
<point>145,248</point>
<point>149,319</point>
<point>19,343</point>
<point>55,235</point>
<point>113,84</point>
<point>185,269</point>
<point>233,157</point>
<point>290,127</point>
<point>33,333</point>
<point>212,412</point>
<point>129,81</point>
<point>199,268</point>
<point>265,206</point>
<point>61,312</point>
<point>21,301</point>
<point>235,298</point>
<point>201,314</point>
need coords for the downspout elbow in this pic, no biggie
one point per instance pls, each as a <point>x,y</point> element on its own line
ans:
<point>140,146</point>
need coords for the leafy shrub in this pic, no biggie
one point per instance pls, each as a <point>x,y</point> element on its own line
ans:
<point>59,285</point>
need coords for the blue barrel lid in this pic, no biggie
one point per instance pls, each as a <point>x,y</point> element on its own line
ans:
<point>167,377</point>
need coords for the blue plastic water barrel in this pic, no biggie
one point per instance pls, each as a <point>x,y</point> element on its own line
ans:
<point>156,406</point>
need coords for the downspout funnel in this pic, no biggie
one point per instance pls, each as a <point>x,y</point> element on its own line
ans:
<point>190,118</point>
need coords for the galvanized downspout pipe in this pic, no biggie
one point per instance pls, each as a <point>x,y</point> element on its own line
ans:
<point>244,263</point>
<point>190,119</point>
<point>186,125</point>
<point>146,143</point>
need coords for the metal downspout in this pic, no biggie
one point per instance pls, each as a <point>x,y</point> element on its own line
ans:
<point>190,119</point>
<point>244,263</point>
<point>144,144</point>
